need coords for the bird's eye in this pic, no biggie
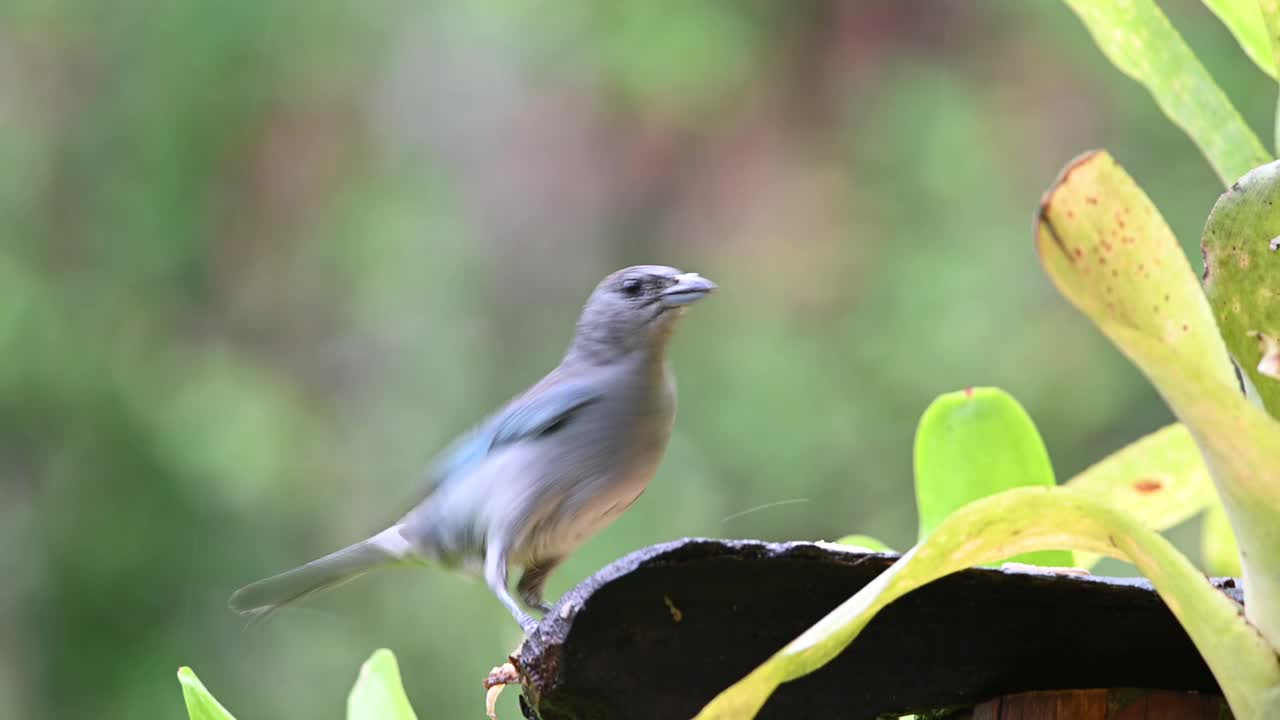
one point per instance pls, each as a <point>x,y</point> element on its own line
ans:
<point>631,287</point>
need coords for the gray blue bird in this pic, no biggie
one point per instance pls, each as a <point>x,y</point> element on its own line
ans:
<point>535,480</point>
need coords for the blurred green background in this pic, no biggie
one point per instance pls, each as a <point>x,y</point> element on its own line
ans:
<point>260,260</point>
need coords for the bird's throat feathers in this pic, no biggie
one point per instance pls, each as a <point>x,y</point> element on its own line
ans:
<point>646,343</point>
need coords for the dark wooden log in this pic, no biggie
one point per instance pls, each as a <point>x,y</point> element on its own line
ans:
<point>658,633</point>
<point>1103,704</point>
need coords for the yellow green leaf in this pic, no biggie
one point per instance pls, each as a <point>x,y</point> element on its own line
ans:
<point>1244,19</point>
<point>201,705</point>
<point>1026,520</point>
<point>1108,251</point>
<point>1219,552</point>
<point>378,693</point>
<point>1141,42</point>
<point>974,443</point>
<point>1160,480</point>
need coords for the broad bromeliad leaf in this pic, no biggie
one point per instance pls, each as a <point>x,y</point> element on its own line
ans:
<point>1027,520</point>
<point>378,693</point>
<point>1219,552</point>
<point>972,444</point>
<point>1244,19</point>
<point>1241,271</point>
<point>1107,250</point>
<point>1137,37</point>
<point>201,705</point>
<point>1160,480</point>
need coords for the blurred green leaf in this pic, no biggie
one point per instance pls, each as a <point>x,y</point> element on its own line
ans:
<point>201,705</point>
<point>1107,250</point>
<point>1219,552</point>
<point>1020,521</point>
<point>1244,19</point>
<point>866,542</point>
<point>1271,25</point>
<point>675,54</point>
<point>1240,272</point>
<point>972,444</point>
<point>1160,480</point>
<point>1137,37</point>
<point>378,693</point>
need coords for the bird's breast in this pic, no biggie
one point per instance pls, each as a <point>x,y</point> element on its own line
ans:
<point>618,446</point>
<point>545,496</point>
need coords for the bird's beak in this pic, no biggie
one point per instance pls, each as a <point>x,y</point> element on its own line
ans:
<point>689,288</point>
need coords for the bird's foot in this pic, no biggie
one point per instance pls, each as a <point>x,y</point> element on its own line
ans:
<point>527,623</point>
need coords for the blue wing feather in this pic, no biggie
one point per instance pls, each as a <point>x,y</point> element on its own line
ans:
<point>531,415</point>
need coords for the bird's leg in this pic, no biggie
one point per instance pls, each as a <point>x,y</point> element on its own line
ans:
<point>495,575</point>
<point>534,580</point>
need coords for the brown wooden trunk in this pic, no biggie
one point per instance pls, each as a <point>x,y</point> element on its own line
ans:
<point>1121,704</point>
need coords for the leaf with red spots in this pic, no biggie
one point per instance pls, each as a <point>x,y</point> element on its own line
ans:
<point>1148,485</point>
<point>1160,480</point>
<point>1179,349</point>
<point>1158,317</point>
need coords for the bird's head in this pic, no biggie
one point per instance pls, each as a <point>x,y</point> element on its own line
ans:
<point>634,309</point>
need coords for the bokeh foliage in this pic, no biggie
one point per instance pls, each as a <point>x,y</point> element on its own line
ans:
<point>259,260</point>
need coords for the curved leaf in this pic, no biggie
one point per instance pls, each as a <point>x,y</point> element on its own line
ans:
<point>1020,521</point>
<point>1137,37</point>
<point>201,705</point>
<point>1244,19</point>
<point>1106,248</point>
<point>378,693</point>
<point>972,444</point>
<point>1160,480</point>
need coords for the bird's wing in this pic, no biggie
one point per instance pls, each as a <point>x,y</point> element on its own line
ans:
<point>542,410</point>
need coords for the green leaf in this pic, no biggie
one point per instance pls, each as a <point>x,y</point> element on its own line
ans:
<point>1271,25</point>
<point>1160,480</point>
<point>975,443</point>
<point>1106,248</point>
<point>1020,521</point>
<point>1241,271</point>
<point>866,542</point>
<point>1269,13</point>
<point>1219,552</point>
<point>201,705</point>
<point>1244,19</point>
<point>378,693</point>
<point>1137,37</point>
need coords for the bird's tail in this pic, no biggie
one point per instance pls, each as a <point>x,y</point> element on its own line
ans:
<point>265,596</point>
